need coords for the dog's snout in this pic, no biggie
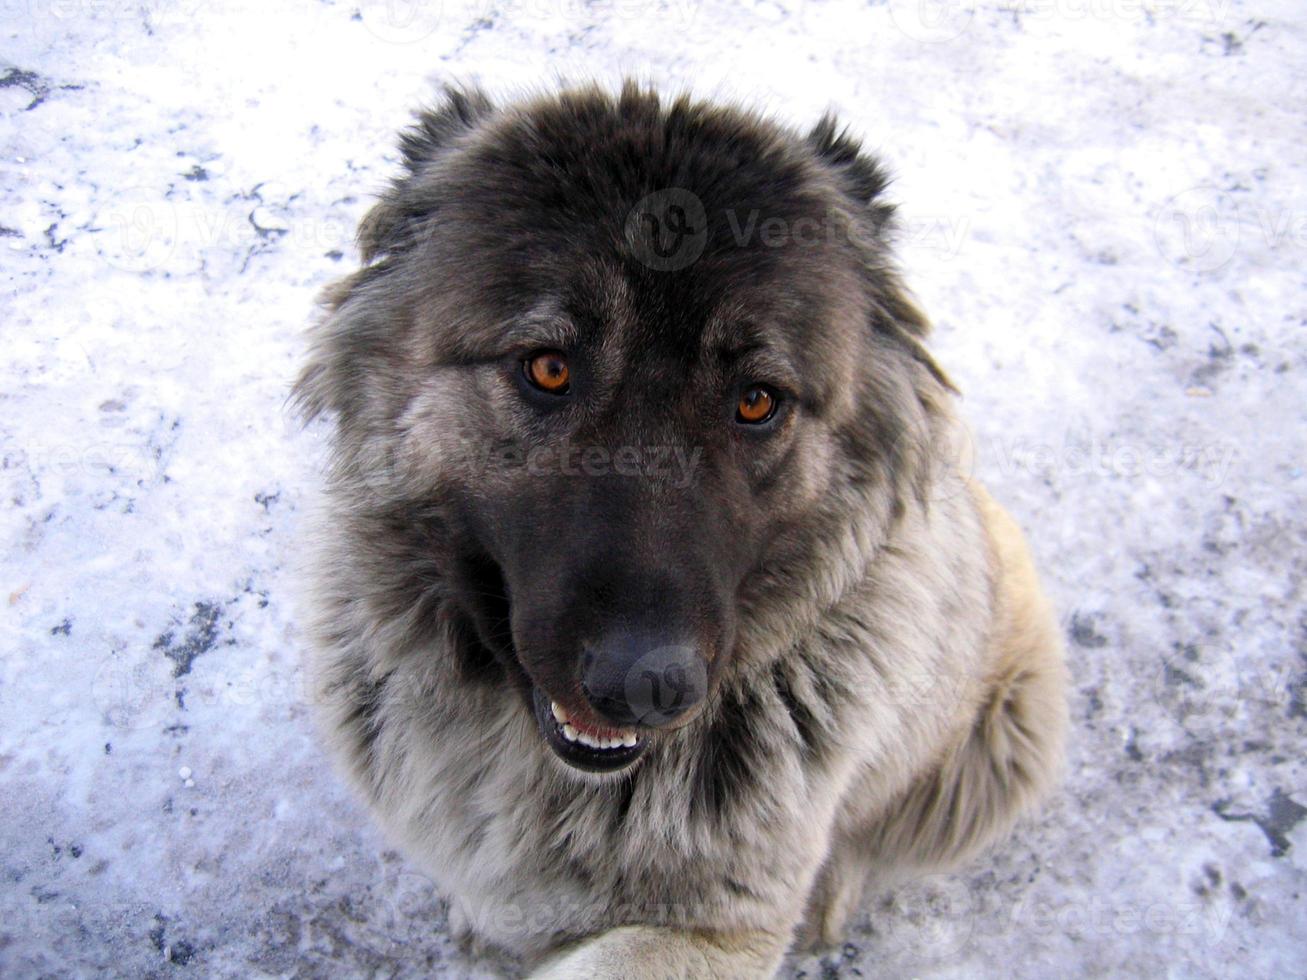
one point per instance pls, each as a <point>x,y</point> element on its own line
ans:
<point>643,678</point>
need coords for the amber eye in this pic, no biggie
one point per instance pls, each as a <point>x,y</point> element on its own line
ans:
<point>757,405</point>
<point>548,371</point>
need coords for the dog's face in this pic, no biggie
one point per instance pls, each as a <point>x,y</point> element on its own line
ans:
<point>616,352</point>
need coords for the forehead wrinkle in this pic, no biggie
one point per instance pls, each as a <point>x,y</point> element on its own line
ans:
<point>749,346</point>
<point>766,364</point>
<point>616,307</point>
<point>545,326</point>
<point>610,308</point>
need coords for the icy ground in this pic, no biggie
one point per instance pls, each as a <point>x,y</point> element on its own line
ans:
<point>1105,209</point>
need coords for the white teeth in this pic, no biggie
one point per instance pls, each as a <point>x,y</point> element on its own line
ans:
<point>622,740</point>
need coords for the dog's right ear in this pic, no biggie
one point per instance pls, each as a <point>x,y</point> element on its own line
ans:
<point>393,223</point>
<point>352,332</point>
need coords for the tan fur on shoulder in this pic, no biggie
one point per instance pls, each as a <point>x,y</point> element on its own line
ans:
<point>1009,748</point>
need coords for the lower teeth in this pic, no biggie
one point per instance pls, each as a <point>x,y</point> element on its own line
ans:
<point>624,740</point>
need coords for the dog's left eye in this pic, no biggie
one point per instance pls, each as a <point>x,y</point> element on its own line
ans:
<point>548,371</point>
<point>757,405</point>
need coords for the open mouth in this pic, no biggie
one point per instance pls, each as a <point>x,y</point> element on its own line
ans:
<point>583,745</point>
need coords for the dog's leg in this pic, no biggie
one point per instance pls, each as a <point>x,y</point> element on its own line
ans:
<point>653,953</point>
<point>833,899</point>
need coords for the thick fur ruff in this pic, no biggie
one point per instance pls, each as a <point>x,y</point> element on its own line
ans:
<point>888,692</point>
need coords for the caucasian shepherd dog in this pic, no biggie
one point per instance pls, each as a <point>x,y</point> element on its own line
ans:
<point>653,613</point>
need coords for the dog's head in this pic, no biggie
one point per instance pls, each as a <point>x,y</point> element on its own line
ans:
<point>613,371</point>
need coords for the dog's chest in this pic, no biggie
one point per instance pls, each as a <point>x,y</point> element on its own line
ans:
<point>697,836</point>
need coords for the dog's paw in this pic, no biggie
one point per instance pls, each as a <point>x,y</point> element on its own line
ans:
<point>597,959</point>
<point>629,953</point>
<point>651,953</point>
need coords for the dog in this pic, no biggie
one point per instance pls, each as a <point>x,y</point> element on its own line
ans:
<point>652,612</point>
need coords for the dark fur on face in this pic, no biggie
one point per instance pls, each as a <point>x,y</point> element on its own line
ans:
<point>640,467</point>
<point>554,227</point>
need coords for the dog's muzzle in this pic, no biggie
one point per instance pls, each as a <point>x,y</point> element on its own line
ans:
<point>632,683</point>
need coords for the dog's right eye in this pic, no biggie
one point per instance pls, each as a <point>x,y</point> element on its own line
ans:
<point>548,371</point>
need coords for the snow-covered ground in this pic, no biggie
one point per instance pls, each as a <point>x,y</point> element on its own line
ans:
<point>1105,208</point>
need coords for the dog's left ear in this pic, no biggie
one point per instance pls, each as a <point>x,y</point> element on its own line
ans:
<point>860,175</point>
<point>863,180</point>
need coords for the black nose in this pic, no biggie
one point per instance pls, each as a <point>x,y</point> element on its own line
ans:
<point>643,678</point>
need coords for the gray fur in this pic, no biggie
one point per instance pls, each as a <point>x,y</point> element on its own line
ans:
<point>890,691</point>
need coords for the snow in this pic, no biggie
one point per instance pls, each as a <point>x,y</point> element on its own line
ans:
<point>1105,212</point>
